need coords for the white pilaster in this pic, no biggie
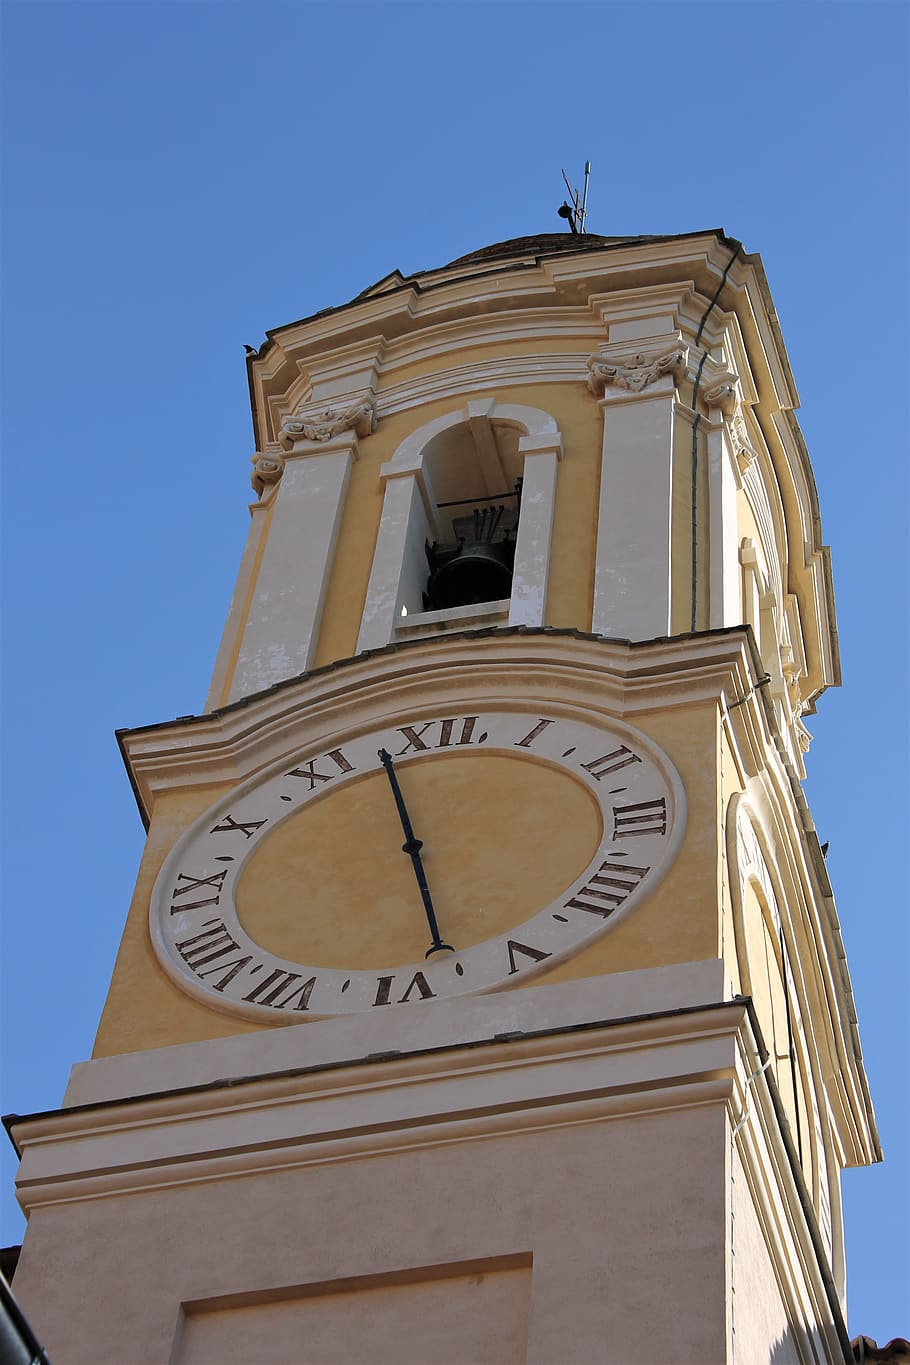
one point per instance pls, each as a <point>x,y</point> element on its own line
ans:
<point>722,400</point>
<point>535,529</point>
<point>282,625</point>
<point>724,571</point>
<point>399,562</point>
<point>632,566</point>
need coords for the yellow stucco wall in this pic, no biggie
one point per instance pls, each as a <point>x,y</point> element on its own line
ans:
<point>511,848</point>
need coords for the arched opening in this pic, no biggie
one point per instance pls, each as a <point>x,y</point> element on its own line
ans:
<point>466,525</point>
<point>474,470</point>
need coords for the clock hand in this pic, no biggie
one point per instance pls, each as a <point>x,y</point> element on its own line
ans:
<point>412,847</point>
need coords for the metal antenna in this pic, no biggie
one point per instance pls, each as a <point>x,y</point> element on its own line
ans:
<point>576,213</point>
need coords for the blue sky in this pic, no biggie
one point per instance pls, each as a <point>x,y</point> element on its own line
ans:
<point>178,177</point>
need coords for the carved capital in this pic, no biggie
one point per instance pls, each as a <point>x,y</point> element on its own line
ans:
<point>723,393</point>
<point>633,372</point>
<point>743,448</point>
<point>322,426</point>
<point>268,467</point>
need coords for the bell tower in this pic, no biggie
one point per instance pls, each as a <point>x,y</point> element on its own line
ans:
<point>482,996</point>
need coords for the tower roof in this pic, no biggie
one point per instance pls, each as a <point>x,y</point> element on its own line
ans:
<point>548,242</point>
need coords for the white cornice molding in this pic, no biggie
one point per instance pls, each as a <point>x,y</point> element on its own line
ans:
<point>567,672</point>
<point>399,1101</point>
<point>509,288</point>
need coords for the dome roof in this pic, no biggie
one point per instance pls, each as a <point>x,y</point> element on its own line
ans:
<point>544,243</point>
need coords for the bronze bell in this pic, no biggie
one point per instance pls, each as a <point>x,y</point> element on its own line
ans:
<point>476,569</point>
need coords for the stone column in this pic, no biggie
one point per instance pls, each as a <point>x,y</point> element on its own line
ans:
<point>535,529</point>
<point>632,594</point>
<point>406,524</point>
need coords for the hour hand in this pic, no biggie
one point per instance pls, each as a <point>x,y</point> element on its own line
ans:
<point>412,846</point>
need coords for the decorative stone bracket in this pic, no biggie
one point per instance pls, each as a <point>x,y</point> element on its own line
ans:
<point>723,394</point>
<point>268,467</point>
<point>634,372</point>
<point>322,426</point>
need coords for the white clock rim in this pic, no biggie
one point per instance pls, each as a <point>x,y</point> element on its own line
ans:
<point>603,724</point>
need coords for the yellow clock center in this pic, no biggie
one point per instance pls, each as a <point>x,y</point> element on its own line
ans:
<point>502,837</point>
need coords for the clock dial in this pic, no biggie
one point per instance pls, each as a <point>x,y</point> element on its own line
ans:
<point>484,819</point>
<point>293,897</point>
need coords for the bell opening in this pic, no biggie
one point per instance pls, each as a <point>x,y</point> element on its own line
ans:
<point>477,566</point>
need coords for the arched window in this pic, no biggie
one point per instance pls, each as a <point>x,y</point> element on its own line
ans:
<point>467,517</point>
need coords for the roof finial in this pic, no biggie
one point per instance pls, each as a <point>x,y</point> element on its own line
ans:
<point>577,211</point>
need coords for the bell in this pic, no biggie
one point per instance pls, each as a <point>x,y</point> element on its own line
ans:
<point>475,572</point>
<point>477,569</point>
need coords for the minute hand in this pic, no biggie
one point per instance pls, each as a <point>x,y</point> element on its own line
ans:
<point>412,847</point>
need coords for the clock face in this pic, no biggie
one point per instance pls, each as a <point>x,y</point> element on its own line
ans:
<point>446,855</point>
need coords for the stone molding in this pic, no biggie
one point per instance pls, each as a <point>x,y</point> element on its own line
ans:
<point>359,417</point>
<point>562,669</point>
<point>402,1100</point>
<point>348,1039</point>
<point>634,372</point>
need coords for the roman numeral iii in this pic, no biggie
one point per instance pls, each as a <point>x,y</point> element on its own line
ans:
<point>642,817</point>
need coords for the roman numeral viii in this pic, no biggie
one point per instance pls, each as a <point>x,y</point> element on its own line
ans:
<point>612,884</point>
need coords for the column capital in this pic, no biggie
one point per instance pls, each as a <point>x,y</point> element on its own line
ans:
<point>634,371</point>
<point>321,426</point>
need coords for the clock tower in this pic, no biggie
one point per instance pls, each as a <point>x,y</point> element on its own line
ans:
<point>482,997</point>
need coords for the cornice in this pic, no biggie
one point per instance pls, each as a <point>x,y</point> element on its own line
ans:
<point>385,1103</point>
<point>566,670</point>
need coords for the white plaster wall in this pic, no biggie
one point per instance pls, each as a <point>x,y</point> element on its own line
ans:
<point>623,1220</point>
<point>632,570</point>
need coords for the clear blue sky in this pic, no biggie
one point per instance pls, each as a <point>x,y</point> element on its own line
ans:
<point>179,177</point>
